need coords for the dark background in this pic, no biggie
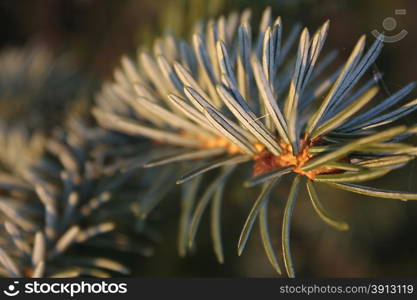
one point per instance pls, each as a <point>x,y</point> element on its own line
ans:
<point>95,33</point>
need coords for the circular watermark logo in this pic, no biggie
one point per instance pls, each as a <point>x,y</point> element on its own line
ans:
<point>389,24</point>
<point>11,290</point>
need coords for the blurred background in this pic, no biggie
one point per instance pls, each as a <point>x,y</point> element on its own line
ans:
<point>67,48</point>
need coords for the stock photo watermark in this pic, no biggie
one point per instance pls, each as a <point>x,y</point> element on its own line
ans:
<point>64,288</point>
<point>390,24</point>
<point>12,289</point>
